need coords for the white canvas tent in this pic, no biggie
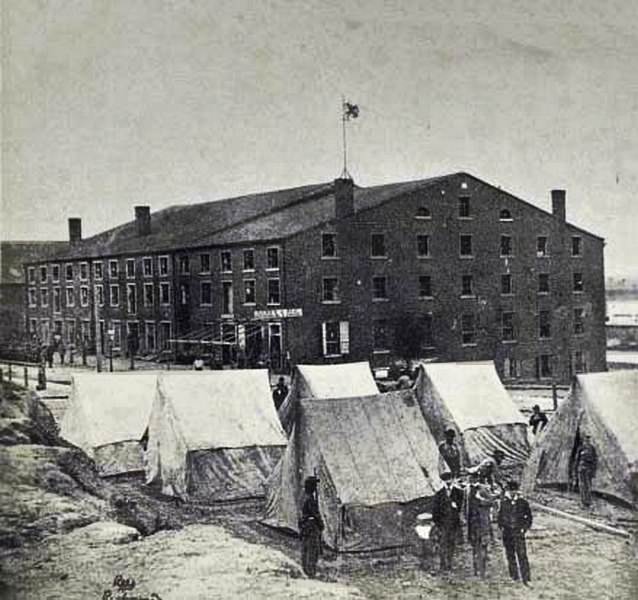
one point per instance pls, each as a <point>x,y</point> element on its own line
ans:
<point>107,416</point>
<point>345,380</point>
<point>377,463</point>
<point>605,406</point>
<point>470,398</point>
<point>213,435</point>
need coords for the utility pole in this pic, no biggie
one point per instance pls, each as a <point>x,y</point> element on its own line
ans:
<point>96,316</point>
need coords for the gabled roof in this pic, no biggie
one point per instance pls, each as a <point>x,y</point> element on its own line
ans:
<point>472,393</point>
<point>260,217</point>
<point>14,254</point>
<point>108,408</point>
<point>220,409</point>
<point>181,226</point>
<point>614,396</point>
<point>377,448</point>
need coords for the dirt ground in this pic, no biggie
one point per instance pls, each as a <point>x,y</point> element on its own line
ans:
<point>63,536</point>
<point>233,556</point>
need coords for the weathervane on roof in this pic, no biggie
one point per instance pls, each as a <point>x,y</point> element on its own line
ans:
<point>348,111</point>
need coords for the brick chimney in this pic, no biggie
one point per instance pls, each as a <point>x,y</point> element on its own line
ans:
<point>75,230</point>
<point>344,197</point>
<point>143,220</point>
<point>558,204</point>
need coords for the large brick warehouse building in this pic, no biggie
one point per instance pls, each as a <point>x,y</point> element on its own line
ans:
<point>334,272</point>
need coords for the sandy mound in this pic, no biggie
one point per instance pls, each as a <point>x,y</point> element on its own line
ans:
<point>49,486</point>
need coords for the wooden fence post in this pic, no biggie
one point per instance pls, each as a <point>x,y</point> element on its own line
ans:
<point>26,377</point>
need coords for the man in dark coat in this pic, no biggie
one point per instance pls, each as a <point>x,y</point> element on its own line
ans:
<point>279,393</point>
<point>310,527</point>
<point>451,453</point>
<point>514,519</point>
<point>586,464</point>
<point>446,511</point>
<point>538,420</point>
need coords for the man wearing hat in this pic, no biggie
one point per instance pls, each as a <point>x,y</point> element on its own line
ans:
<point>280,392</point>
<point>310,527</point>
<point>586,464</point>
<point>489,468</point>
<point>446,511</point>
<point>481,499</point>
<point>514,519</point>
<point>451,453</point>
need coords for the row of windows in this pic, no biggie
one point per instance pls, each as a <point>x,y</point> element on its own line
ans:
<point>330,292</point>
<point>114,332</point>
<point>336,342</point>
<point>544,364</point>
<point>148,266</point>
<point>378,247</point>
<point>226,261</point>
<point>464,211</point>
<point>148,296</point>
<point>381,329</point>
<point>328,250</point>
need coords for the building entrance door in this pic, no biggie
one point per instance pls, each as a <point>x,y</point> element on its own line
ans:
<point>275,346</point>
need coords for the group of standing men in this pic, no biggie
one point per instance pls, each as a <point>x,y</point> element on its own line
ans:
<point>486,494</point>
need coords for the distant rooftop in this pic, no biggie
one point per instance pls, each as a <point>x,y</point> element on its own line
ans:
<point>14,254</point>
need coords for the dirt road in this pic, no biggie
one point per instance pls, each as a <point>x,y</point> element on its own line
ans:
<point>198,562</point>
<point>243,560</point>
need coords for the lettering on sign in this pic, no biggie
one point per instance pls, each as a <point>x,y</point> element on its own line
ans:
<point>279,313</point>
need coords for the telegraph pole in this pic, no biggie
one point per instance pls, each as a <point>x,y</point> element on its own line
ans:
<point>96,317</point>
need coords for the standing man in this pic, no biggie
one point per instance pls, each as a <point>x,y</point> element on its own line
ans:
<point>538,420</point>
<point>280,392</point>
<point>514,519</point>
<point>451,453</point>
<point>481,499</point>
<point>446,511</point>
<point>310,527</point>
<point>586,464</point>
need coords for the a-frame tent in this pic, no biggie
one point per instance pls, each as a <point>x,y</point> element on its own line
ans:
<point>605,406</point>
<point>343,380</point>
<point>107,416</point>
<point>470,398</point>
<point>377,463</point>
<point>213,435</point>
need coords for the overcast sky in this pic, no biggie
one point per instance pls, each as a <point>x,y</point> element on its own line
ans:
<point>112,103</point>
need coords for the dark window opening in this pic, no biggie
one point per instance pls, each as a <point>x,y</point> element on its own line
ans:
<point>379,288</point>
<point>466,285</point>
<point>507,322</point>
<point>541,246</point>
<point>543,283</point>
<point>425,286</point>
<point>249,260</point>
<point>506,284</point>
<point>544,324</point>
<point>468,332</point>
<point>328,245</point>
<point>506,245</point>
<point>464,207</point>
<point>330,291</point>
<point>377,245</point>
<point>466,245</point>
